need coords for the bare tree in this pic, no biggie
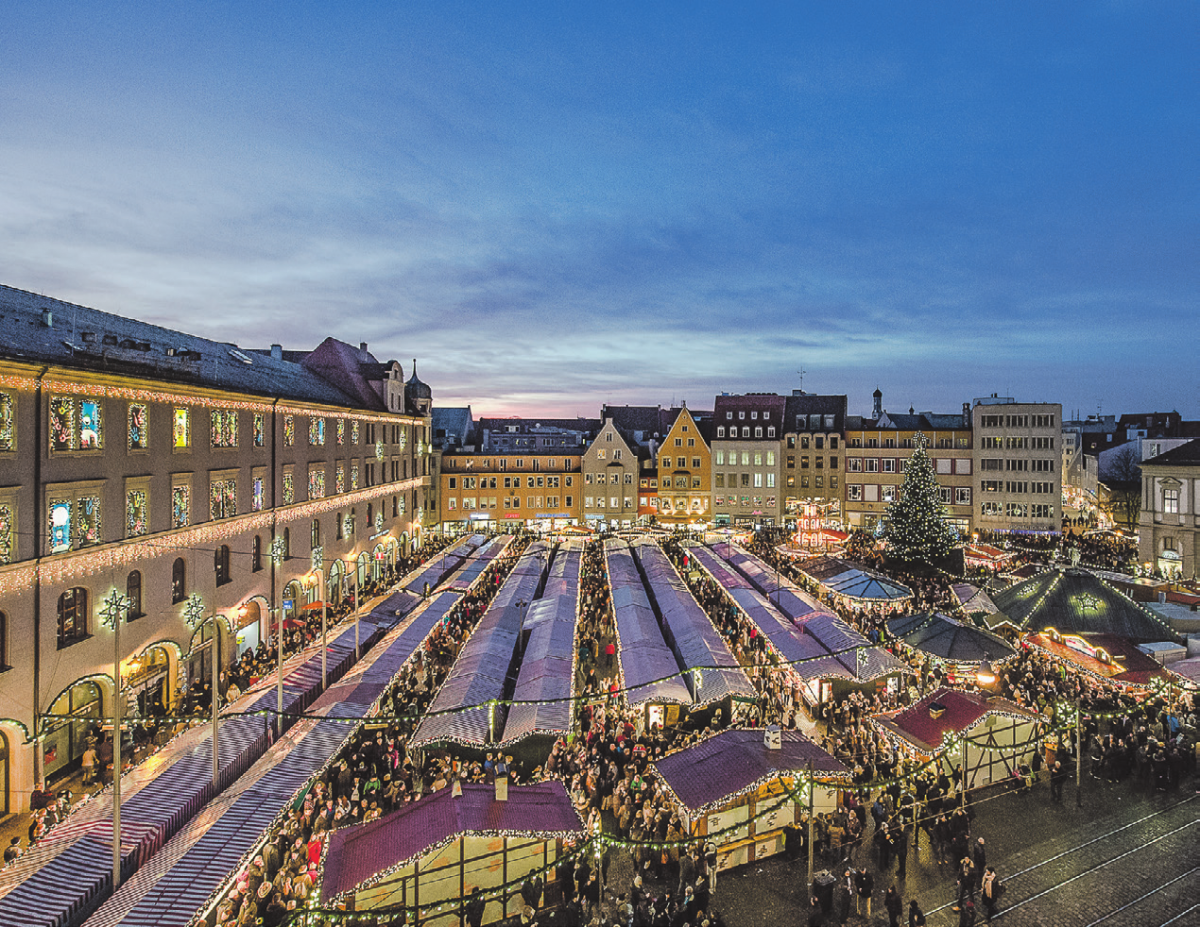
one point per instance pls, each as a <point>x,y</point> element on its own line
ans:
<point>1122,478</point>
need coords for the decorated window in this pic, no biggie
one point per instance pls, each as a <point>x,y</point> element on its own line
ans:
<point>354,475</point>
<point>137,516</point>
<point>289,430</point>
<point>316,483</point>
<point>260,430</point>
<point>91,435</point>
<point>7,535</point>
<point>62,423</point>
<point>341,431</point>
<point>138,440</point>
<point>181,429</point>
<point>87,520</point>
<point>289,486</point>
<point>8,425</point>
<point>403,438</point>
<point>224,428</point>
<point>402,501</point>
<point>316,431</point>
<point>257,493</point>
<point>181,506</point>
<point>222,498</point>
<point>340,477</point>
<point>62,518</point>
<point>354,432</point>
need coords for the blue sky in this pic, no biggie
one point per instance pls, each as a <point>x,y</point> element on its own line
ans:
<point>558,205</point>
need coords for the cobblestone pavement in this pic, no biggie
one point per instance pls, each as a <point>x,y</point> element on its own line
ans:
<point>1128,857</point>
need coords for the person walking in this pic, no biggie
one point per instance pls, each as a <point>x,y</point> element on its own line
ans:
<point>894,906</point>
<point>1058,775</point>
<point>916,917</point>
<point>864,883</point>
<point>901,850</point>
<point>990,891</point>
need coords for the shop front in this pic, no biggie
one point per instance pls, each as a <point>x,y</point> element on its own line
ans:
<point>67,726</point>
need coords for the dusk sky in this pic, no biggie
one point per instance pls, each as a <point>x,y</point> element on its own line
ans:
<point>558,205</point>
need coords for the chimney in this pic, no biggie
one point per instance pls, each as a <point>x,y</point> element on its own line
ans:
<point>276,352</point>
<point>47,318</point>
<point>362,346</point>
<point>773,737</point>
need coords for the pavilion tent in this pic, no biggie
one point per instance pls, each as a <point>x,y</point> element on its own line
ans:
<point>859,586</point>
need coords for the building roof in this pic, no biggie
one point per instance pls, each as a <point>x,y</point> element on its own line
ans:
<point>88,339</point>
<point>961,712</point>
<point>800,409</point>
<point>947,639</point>
<point>1076,601</point>
<point>1186,455</point>
<point>844,578</point>
<point>715,771</point>
<point>359,855</point>
<point>451,426</point>
<point>635,420</point>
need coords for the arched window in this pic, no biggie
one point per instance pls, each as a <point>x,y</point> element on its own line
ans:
<point>221,565</point>
<point>256,554</point>
<point>178,581</point>
<point>315,539</point>
<point>72,616</point>
<point>395,507</point>
<point>133,592</point>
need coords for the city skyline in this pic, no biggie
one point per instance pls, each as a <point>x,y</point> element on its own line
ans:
<point>553,209</point>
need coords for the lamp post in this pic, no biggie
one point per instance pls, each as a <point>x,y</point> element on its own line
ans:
<point>318,576</point>
<point>278,554</point>
<point>357,607</point>
<point>216,701</point>
<point>116,606</point>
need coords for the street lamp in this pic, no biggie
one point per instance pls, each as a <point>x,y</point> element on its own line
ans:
<point>353,565</point>
<point>116,607</point>
<point>318,577</point>
<point>985,675</point>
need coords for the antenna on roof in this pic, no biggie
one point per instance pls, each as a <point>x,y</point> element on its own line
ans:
<point>801,372</point>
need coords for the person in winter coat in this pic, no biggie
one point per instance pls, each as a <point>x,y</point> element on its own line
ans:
<point>990,891</point>
<point>894,906</point>
<point>864,884</point>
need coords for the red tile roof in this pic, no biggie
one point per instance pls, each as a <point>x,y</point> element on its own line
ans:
<point>963,710</point>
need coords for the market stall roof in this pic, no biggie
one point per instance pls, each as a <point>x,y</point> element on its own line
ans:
<point>947,639</point>
<point>985,553</point>
<point>460,712</point>
<point>478,563</point>
<point>974,601</point>
<point>689,632</point>
<point>1075,601</point>
<point>781,591</point>
<point>960,712</point>
<point>649,671</point>
<point>360,855</point>
<point>841,577</point>
<point>1105,655</point>
<point>547,672</point>
<point>712,772</point>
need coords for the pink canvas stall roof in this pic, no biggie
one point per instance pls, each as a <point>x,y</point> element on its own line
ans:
<point>357,854</point>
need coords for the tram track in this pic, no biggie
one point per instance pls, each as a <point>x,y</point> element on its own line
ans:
<point>1074,865</point>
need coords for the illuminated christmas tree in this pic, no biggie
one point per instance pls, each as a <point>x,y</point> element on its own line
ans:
<point>917,528</point>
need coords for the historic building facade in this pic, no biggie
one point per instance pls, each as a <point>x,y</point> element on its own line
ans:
<point>610,480</point>
<point>1169,527</point>
<point>747,431</point>
<point>1018,465</point>
<point>188,489</point>
<point>685,472</point>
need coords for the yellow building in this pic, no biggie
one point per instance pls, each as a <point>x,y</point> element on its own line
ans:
<point>485,490</point>
<point>685,472</point>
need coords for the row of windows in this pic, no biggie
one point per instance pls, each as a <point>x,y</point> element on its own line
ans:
<point>818,442</point>
<point>666,462</point>
<point>818,481</point>
<point>759,480</point>
<point>508,482</point>
<point>753,415</point>
<point>1017,464</point>
<point>1017,487</point>
<point>614,502</point>
<point>758,457</point>
<point>471,503</point>
<point>960,443</point>
<point>485,463</point>
<point>950,495</point>
<point>721,501</point>
<point>1017,443</point>
<point>733,432</point>
<point>1016,421</point>
<point>1017,509</point>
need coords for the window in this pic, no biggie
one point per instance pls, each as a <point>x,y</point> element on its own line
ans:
<point>770,431</point>
<point>770,481</point>
<point>770,458</point>
<point>178,581</point>
<point>316,482</point>
<point>222,497</point>
<point>354,432</point>
<point>339,477</point>
<point>1171,501</point>
<point>256,564</point>
<point>137,439</point>
<point>137,517</point>
<point>889,493</point>
<point>991,508</point>
<point>853,492</point>
<point>224,428</point>
<point>181,505</point>
<point>720,431</point>
<point>8,422</point>
<point>72,616</point>
<point>75,428</point>
<point>720,478</point>
<point>679,442</point>
<point>289,485</point>
<point>695,463</point>
<point>872,465</point>
<point>758,431</point>
<point>962,495</point>
<point>181,429</point>
<point>289,430</point>
<point>8,531</point>
<point>260,430</point>
<point>221,565</point>
<point>745,431</point>
<point>258,482</point>
<point>316,431</point>
<point>1041,510</point>
<point>1016,510</point>
<point>758,480</point>
<point>889,465</point>
<point>133,592</point>
<point>833,484</point>
<point>945,494</point>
